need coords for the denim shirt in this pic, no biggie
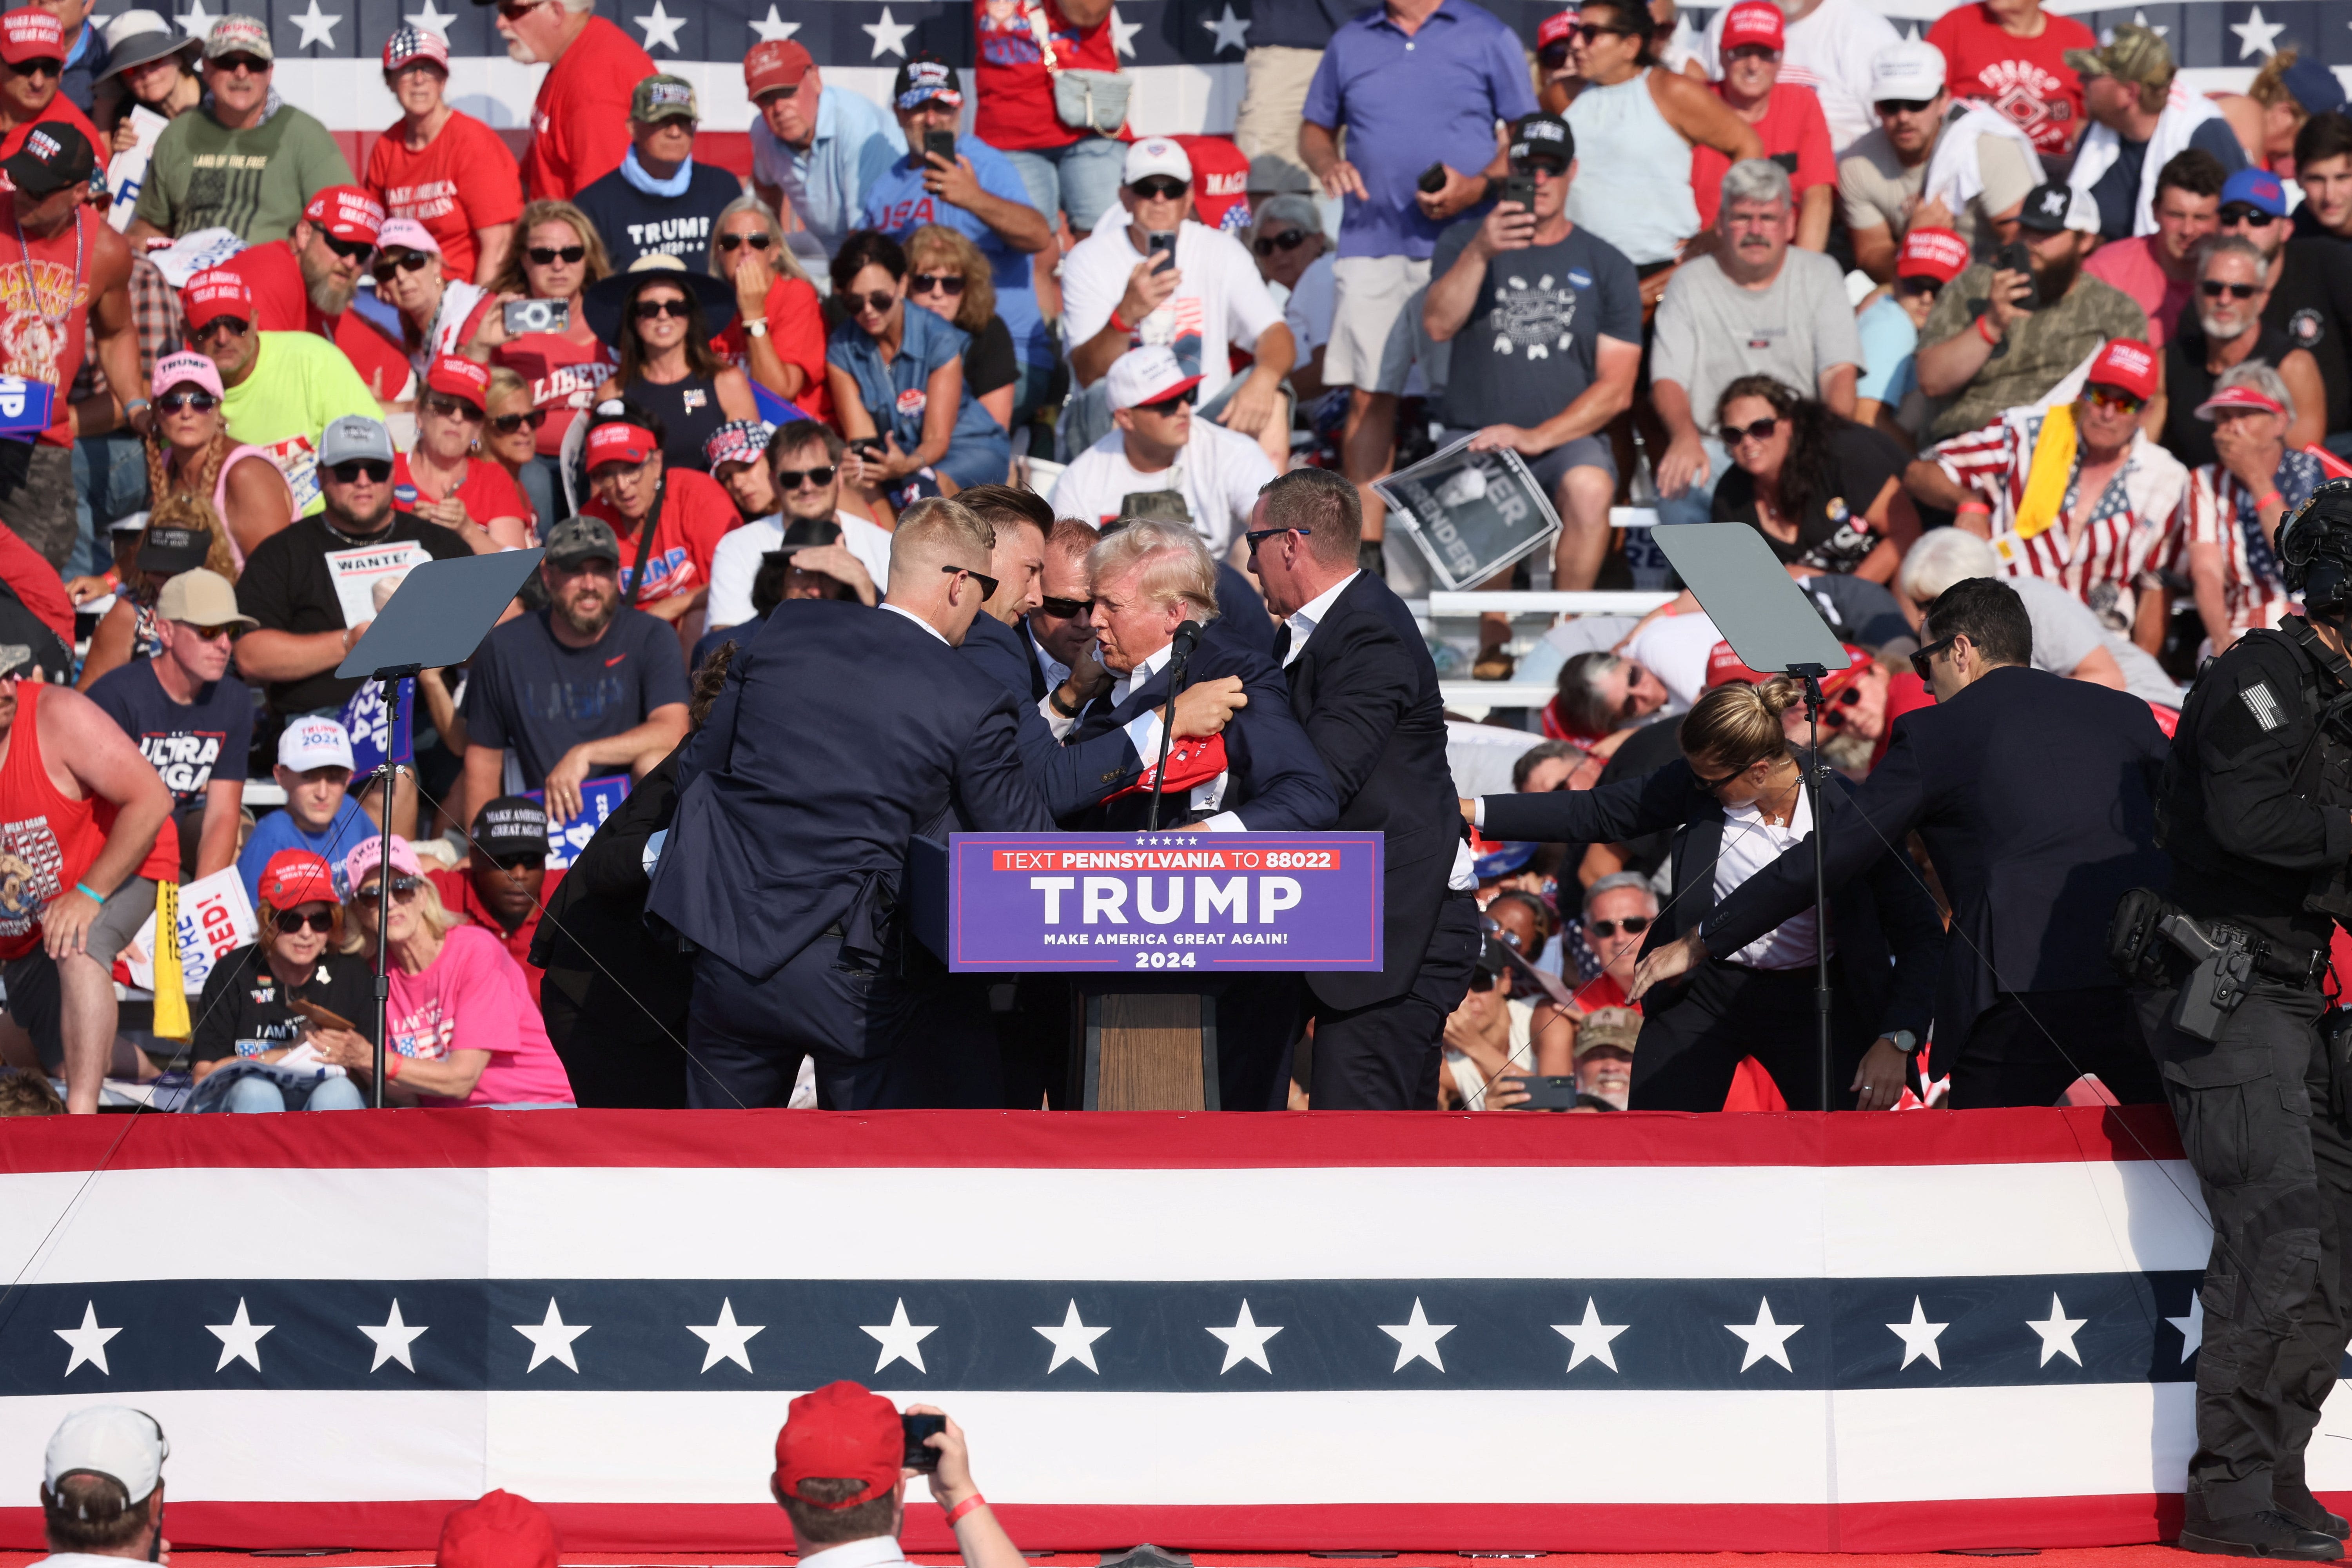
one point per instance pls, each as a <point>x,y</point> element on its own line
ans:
<point>895,394</point>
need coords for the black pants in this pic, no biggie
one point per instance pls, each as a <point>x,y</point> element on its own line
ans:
<point>1385,1057</point>
<point>616,1057</point>
<point>2256,1118</point>
<point>2031,1045</point>
<point>1691,1047</point>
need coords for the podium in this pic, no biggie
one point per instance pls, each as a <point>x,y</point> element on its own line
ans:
<point>1148,928</point>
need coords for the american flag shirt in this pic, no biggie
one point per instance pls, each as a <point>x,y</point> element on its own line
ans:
<point>2131,535</point>
<point>2218,511</point>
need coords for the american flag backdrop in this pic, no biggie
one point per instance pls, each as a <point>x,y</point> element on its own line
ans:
<point>1611,1332</point>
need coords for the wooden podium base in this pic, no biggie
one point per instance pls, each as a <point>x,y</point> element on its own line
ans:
<point>1146,1050</point>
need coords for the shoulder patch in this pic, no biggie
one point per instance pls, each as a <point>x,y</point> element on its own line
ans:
<point>2265,706</point>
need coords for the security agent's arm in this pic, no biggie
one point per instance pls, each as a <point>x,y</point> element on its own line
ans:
<point>1914,935</point>
<point>1648,802</point>
<point>993,788</point>
<point>2253,808</point>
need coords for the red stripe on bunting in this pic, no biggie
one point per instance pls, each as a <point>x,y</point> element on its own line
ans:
<point>1102,1141</point>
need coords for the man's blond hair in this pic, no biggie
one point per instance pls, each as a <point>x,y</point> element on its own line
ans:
<point>1170,561</point>
<point>934,533</point>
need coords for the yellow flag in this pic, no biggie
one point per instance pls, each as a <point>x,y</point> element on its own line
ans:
<point>2052,469</point>
<point>171,997</point>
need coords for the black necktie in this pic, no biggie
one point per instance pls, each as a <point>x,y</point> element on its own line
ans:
<point>1282,645</point>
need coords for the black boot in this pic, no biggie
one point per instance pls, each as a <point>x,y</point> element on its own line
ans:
<point>2299,1505</point>
<point>2269,1533</point>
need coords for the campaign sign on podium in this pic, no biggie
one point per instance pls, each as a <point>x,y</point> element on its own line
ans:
<point>1179,900</point>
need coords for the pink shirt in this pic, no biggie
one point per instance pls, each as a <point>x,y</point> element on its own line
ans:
<point>473,997</point>
<point>2131,266</point>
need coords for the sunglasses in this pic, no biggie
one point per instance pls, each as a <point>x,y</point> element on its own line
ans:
<point>246,63</point>
<point>1160,188</point>
<point>1918,286</point>
<point>522,861</point>
<point>650,309</point>
<point>1631,925</point>
<point>1288,240</point>
<point>1258,535</point>
<point>2237,212</point>
<point>1887,107</point>
<point>1925,655</point>
<point>1067,609</point>
<point>2212,289</point>
<point>1553,56</point>
<point>879,301</point>
<point>213,634</point>
<point>1706,786</point>
<point>760,241</point>
<point>37,68</point>
<point>947,283</point>
<point>1168,405</point>
<point>404,891</point>
<point>453,408</point>
<point>548,256</point>
<point>406,261</point>
<point>350,250</point>
<point>176,402</point>
<point>513,12</point>
<point>793,479</point>
<point>987,584</point>
<point>1761,430</point>
<point>359,469</point>
<point>1833,711</point>
<point>508,423</point>
<point>2112,401</point>
<point>289,921</point>
<point>773,94</point>
<point>1587,31</point>
<point>219,326</point>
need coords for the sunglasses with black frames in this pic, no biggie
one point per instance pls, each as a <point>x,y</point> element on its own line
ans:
<point>177,400</point>
<point>406,261</point>
<point>2237,212</point>
<point>289,921</point>
<point>1067,609</point>
<point>1761,430</point>
<point>1160,188</point>
<point>987,584</point>
<point>508,423</point>
<point>759,241</point>
<point>947,283</point>
<point>790,478</point>
<point>651,310</point>
<point>1924,656</point>
<point>2213,288</point>
<point>548,256</point>
<point>1288,240</point>
<point>1632,925</point>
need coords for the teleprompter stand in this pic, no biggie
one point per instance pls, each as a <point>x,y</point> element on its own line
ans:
<point>1772,626</point>
<point>438,618</point>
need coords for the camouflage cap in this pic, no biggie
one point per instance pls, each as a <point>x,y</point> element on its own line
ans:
<point>2132,53</point>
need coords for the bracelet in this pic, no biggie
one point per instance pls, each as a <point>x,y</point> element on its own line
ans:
<point>2266,500</point>
<point>86,891</point>
<point>1055,696</point>
<point>392,1061</point>
<point>1983,331</point>
<point>1118,326</point>
<point>134,405</point>
<point>1969,506</point>
<point>965,1506</point>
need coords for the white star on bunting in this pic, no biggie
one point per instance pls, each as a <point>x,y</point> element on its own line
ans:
<point>1765,1340</point>
<point>1918,1336</point>
<point>89,1342</point>
<point>772,28</point>
<point>1591,1338</point>
<point>241,1339</point>
<point>551,1338</point>
<point>1073,1340</point>
<point>1232,32</point>
<point>431,18</point>
<point>1122,33</point>
<point>316,26</point>
<point>2057,1334</point>
<point>1417,1338</point>
<point>902,1341</point>
<point>2193,1326</point>
<point>660,27</point>
<point>889,37</point>
<point>2139,20</point>
<point>197,22</point>
<point>1246,1341</point>
<point>2255,36</point>
<point>727,1339</point>
<point>393,1339</point>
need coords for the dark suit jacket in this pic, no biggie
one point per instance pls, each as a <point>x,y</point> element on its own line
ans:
<point>2033,795</point>
<point>1239,600</point>
<point>593,945</point>
<point>1277,783</point>
<point>841,734</point>
<point>1366,690</point>
<point>1889,937</point>
<point>1071,777</point>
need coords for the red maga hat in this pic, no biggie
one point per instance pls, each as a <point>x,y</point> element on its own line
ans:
<point>840,1430</point>
<point>1754,22</point>
<point>2127,365</point>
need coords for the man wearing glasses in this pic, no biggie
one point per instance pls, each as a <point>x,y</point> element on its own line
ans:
<point>2310,282</point>
<point>1159,442</point>
<point>2223,330</point>
<point>311,384</point>
<point>1883,176</point>
<point>33,50</point>
<point>238,162</point>
<point>505,885</point>
<point>578,122</point>
<point>304,283</point>
<point>803,459</point>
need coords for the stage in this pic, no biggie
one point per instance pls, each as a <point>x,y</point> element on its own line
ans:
<point>1790,1334</point>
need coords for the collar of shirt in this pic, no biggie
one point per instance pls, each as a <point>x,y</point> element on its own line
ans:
<point>1379,17</point>
<point>1308,615</point>
<point>1140,674</point>
<point>864,1553</point>
<point>927,626</point>
<point>1055,670</point>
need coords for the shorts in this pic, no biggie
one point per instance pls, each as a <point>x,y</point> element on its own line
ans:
<point>1376,324</point>
<point>1583,452</point>
<point>34,998</point>
<point>1273,101</point>
<point>1080,181</point>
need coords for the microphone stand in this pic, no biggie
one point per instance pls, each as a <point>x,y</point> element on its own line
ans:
<point>1815,776</point>
<point>1181,645</point>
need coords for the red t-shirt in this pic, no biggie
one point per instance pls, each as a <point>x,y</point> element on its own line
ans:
<point>32,579</point>
<point>45,306</point>
<point>463,180</point>
<point>580,123</point>
<point>488,491</point>
<point>282,304</point>
<point>2027,79</point>
<point>1792,123</point>
<point>563,374</point>
<point>1600,991</point>
<point>1017,91</point>
<point>61,108</point>
<point>796,326</point>
<point>458,896</point>
<point>696,513</point>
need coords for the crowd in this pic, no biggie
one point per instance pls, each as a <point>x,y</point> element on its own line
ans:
<point>2006,302</point>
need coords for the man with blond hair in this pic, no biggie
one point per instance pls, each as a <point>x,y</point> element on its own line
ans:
<point>842,733</point>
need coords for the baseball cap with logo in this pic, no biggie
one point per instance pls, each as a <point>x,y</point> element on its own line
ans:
<point>509,828</point>
<point>353,438</point>
<point>840,1431</point>
<point>346,212</point>
<point>186,369</point>
<point>210,296</point>
<point>2132,53</point>
<point>459,378</point>
<point>407,234</point>
<point>738,441</point>
<point>1911,71</point>
<point>314,742</point>
<point>125,1446</point>
<point>2053,207</point>
<point>202,598</point>
<point>1757,23</point>
<point>660,97</point>
<point>1544,136</point>
<point>1724,667</point>
<point>368,854</point>
<point>923,77</point>
<point>1618,1027</point>
<point>411,44</point>
<point>1157,155</point>
<point>2238,397</point>
<point>1858,663</point>
<point>1557,28</point>
<point>578,539</point>
<point>174,550</point>
<point>775,63</point>
<point>2128,366</point>
<point>1147,374</point>
<point>620,442</point>
<point>296,876</point>
<point>1937,253</point>
<point>29,33</point>
<point>239,36</point>
<point>2258,188</point>
<point>2312,85</point>
<point>54,156</point>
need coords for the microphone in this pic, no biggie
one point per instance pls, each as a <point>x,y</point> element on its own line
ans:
<point>1187,638</point>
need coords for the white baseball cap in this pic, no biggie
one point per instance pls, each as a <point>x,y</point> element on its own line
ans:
<point>123,1445</point>
<point>314,744</point>
<point>1157,155</point>
<point>1146,375</point>
<point>1911,71</point>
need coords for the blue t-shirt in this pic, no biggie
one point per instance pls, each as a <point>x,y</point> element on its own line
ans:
<point>535,698</point>
<point>278,830</point>
<point>897,393</point>
<point>1888,341</point>
<point>190,745</point>
<point>896,204</point>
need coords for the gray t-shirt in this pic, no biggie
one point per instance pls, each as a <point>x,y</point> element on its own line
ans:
<point>1711,331</point>
<point>1531,344</point>
<point>1875,186</point>
<point>2065,631</point>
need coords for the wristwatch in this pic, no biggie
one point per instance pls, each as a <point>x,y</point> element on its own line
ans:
<point>755,327</point>
<point>1905,1040</point>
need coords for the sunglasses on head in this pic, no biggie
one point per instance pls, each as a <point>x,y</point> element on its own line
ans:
<point>1631,925</point>
<point>947,283</point>
<point>2213,288</point>
<point>406,261</point>
<point>1925,655</point>
<point>176,400</point>
<point>350,250</point>
<point>508,423</point>
<point>289,921</point>
<point>2113,400</point>
<point>1067,609</point>
<point>1761,430</point>
<point>1160,188</point>
<point>759,241</point>
<point>1167,405</point>
<point>791,479</point>
<point>404,891</point>
<point>358,468</point>
<point>548,255</point>
<point>452,408</point>
<point>987,584</point>
<point>650,309</point>
<point>1288,240</point>
<point>2237,212</point>
<point>879,301</point>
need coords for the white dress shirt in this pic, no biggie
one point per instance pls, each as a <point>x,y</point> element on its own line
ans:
<point>1143,732</point>
<point>1750,844</point>
<point>1055,670</point>
<point>870,1553</point>
<point>1303,621</point>
<point>897,610</point>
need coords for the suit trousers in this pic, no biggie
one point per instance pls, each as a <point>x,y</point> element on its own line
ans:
<point>2258,1121</point>
<point>616,1056</point>
<point>1384,1057</point>
<point>1691,1047</point>
<point>2030,1046</point>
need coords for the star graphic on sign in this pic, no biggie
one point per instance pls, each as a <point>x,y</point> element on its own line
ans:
<point>431,19</point>
<point>1417,1338</point>
<point>1918,1337</point>
<point>1122,33</point>
<point>393,1339</point>
<point>2256,36</point>
<point>1766,1340</point>
<point>1591,1338</point>
<point>1073,1340</point>
<point>2058,1333</point>
<point>903,1341</point>
<point>1244,1341</point>
<point>316,26</point>
<point>660,27</point>
<point>889,36</point>
<point>772,28</point>
<point>197,23</point>
<point>1232,32</point>
<point>551,1339</point>
<point>727,1340</point>
<point>89,1342</point>
<point>2193,1326</point>
<point>241,1339</point>
<point>2139,20</point>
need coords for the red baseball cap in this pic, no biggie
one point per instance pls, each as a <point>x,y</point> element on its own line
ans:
<point>1937,253</point>
<point>213,294</point>
<point>296,877</point>
<point>840,1430</point>
<point>460,377</point>
<point>2127,365</point>
<point>2237,397</point>
<point>1858,664</point>
<point>1554,29</point>
<point>1723,668</point>
<point>1754,22</point>
<point>501,1530</point>
<point>620,442</point>
<point>29,34</point>
<point>346,212</point>
<point>774,63</point>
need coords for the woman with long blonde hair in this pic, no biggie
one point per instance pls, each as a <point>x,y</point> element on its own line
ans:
<point>191,456</point>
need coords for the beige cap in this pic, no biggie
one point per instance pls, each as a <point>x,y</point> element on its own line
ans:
<point>1618,1027</point>
<point>202,598</point>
